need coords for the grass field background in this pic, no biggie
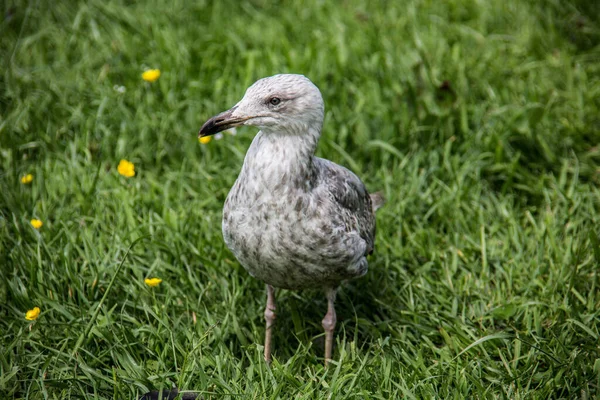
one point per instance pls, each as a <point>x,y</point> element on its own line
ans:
<point>480,120</point>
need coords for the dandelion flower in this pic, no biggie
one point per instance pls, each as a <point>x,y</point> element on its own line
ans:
<point>32,314</point>
<point>151,75</point>
<point>152,282</point>
<point>205,139</point>
<point>25,179</point>
<point>36,223</point>
<point>126,168</point>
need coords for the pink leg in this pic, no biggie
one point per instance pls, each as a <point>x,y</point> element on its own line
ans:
<point>270,318</point>
<point>329,324</point>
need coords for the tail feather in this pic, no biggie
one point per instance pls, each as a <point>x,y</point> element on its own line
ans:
<point>377,200</point>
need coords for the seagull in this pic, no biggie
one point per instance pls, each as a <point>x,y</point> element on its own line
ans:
<point>293,220</point>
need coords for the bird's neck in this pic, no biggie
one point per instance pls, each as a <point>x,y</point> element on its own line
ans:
<point>280,161</point>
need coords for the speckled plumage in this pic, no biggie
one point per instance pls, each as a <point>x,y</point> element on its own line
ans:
<point>294,220</point>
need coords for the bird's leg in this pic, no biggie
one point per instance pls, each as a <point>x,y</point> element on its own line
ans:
<point>329,324</point>
<point>270,319</point>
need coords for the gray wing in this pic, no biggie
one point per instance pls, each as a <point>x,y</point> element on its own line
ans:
<point>354,209</point>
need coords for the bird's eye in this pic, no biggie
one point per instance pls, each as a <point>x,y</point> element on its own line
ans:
<point>275,101</point>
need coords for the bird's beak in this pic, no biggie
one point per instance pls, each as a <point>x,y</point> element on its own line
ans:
<point>221,122</point>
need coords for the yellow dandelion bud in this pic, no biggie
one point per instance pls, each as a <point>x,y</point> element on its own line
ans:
<point>151,75</point>
<point>152,281</point>
<point>126,168</point>
<point>36,223</point>
<point>205,139</point>
<point>25,179</point>
<point>32,314</point>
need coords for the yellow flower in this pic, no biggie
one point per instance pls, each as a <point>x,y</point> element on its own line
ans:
<point>205,139</point>
<point>126,168</point>
<point>26,179</point>
<point>151,75</point>
<point>36,223</point>
<point>152,281</point>
<point>32,314</point>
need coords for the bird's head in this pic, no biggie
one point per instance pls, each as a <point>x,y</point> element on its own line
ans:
<point>284,103</point>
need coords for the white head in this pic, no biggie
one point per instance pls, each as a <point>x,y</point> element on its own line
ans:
<point>287,103</point>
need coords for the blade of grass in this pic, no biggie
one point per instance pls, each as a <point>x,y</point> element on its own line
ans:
<point>89,325</point>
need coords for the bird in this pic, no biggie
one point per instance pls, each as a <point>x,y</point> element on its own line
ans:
<point>293,220</point>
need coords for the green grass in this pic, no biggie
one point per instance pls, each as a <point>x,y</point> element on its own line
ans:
<point>480,120</point>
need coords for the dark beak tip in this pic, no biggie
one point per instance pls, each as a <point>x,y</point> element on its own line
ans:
<point>206,128</point>
<point>218,123</point>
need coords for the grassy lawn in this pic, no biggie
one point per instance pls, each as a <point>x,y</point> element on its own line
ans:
<point>480,121</point>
